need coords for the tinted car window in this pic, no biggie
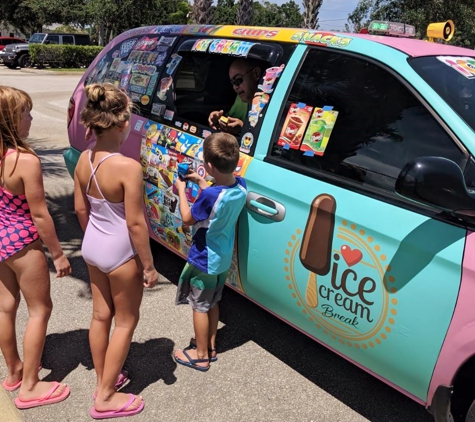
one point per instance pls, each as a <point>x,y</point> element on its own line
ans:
<point>374,124</point>
<point>37,38</point>
<point>53,39</point>
<point>68,39</point>
<point>456,87</point>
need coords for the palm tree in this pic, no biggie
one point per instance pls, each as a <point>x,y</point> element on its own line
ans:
<point>310,14</point>
<point>244,16</point>
<point>201,12</point>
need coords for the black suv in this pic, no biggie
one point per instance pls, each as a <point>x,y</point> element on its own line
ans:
<point>14,55</point>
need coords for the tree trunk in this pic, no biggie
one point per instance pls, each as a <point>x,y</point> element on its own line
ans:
<point>310,14</point>
<point>244,15</point>
<point>100,35</point>
<point>202,12</point>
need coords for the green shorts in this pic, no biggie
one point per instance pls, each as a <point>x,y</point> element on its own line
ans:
<point>202,291</point>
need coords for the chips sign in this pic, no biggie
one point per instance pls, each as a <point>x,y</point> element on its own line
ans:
<point>394,29</point>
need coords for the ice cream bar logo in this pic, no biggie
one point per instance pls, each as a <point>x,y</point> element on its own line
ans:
<point>339,277</point>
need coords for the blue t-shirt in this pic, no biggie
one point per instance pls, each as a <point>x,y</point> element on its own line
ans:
<point>216,212</point>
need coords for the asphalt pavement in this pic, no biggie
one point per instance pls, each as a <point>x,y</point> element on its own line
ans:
<point>266,370</point>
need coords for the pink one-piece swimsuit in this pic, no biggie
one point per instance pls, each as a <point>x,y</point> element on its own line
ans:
<point>106,244</point>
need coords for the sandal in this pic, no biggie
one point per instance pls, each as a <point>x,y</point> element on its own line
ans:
<point>192,346</point>
<point>192,363</point>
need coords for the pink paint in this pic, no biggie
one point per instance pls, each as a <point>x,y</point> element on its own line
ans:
<point>415,48</point>
<point>459,344</point>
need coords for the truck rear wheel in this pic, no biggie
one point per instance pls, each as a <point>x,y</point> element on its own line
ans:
<point>25,61</point>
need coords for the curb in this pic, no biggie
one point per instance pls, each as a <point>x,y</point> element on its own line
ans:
<point>50,72</point>
<point>9,412</point>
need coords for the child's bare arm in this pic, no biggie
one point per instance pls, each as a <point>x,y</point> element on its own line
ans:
<point>32,178</point>
<point>185,209</point>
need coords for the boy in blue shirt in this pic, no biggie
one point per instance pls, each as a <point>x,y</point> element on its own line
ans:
<point>213,217</point>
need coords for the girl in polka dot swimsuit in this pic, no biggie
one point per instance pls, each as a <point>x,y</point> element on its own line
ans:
<point>24,223</point>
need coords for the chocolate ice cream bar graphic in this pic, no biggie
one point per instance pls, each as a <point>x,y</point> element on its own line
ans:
<point>316,249</point>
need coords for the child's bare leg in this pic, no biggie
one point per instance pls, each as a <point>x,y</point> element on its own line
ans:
<point>32,273</point>
<point>127,291</point>
<point>201,327</point>
<point>213,315</point>
<point>9,301</point>
<point>102,313</point>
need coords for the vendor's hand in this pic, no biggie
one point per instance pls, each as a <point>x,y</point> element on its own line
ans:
<point>180,185</point>
<point>213,119</point>
<point>233,125</point>
<point>150,278</point>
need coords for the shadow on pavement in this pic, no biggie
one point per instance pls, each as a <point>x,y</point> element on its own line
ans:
<point>146,362</point>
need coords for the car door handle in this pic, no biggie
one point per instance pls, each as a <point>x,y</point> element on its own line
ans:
<point>265,206</point>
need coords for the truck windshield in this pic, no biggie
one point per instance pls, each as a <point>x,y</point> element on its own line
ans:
<point>37,38</point>
<point>453,78</point>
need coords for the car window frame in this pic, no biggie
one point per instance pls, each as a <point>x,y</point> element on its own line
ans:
<point>348,184</point>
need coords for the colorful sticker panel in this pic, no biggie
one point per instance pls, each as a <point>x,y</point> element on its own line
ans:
<point>319,130</point>
<point>463,65</point>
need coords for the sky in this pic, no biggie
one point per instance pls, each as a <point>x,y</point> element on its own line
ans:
<point>333,13</point>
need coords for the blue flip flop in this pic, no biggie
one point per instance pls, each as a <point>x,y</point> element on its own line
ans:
<point>192,346</point>
<point>192,363</point>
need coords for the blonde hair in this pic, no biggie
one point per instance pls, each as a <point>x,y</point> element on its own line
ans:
<point>107,106</point>
<point>13,102</point>
<point>222,151</point>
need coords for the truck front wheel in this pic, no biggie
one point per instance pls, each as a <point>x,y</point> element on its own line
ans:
<point>25,61</point>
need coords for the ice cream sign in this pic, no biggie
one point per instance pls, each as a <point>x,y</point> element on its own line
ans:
<point>220,46</point>
<point>322,38</point>
<point>339,276</point>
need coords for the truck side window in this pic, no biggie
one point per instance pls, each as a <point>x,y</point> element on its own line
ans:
<point>68,39</point>
<point>380,125</point>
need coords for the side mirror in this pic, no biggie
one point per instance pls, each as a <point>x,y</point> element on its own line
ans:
<point>436,181</point>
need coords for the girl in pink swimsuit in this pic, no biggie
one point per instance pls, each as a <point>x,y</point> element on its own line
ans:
<point>109,205</point>
<point>24,222</point>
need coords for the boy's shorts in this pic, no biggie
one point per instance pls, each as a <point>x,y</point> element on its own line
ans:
<point>202,291</point>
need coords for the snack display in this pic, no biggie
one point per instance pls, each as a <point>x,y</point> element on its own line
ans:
<point>319,130</point>
<point>294,125</point>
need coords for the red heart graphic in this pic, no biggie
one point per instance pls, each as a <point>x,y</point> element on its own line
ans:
<point>350,256</point>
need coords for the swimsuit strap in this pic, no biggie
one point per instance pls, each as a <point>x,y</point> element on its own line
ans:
<point>93,171</point>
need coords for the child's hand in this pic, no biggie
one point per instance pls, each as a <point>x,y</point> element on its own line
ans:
<point>194,177</point>
<point>150,278</point>
<point>62,265</point>
<point>180,184</point>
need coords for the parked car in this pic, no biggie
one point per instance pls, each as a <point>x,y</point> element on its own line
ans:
<point>4,41</point>
<point>16,55</point>
<point>358,153</point>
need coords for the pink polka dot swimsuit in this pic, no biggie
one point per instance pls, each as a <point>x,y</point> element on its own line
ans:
<point>16,226</point>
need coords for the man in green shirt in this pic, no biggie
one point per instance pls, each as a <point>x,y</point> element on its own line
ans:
<point>244,74</point>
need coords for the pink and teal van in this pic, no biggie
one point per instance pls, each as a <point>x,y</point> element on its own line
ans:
<point>358,152</point>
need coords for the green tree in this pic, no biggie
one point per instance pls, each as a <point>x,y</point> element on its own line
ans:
<point>419,13</point>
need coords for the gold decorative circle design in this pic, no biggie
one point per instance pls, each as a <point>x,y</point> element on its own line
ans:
<point>349,234</point>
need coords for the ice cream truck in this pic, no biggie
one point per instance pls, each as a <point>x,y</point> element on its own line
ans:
<point>358,152</point>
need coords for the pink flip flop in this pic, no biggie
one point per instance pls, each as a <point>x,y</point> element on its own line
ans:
<point>46,399</point>
<point>118,413</point>
<point>121,380</point>
<point>15,386</point>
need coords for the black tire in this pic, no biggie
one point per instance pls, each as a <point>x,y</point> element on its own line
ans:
<point>25,61</point>
<point>471,413</point>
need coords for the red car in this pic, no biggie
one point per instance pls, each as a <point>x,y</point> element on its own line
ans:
<point>10,40</point>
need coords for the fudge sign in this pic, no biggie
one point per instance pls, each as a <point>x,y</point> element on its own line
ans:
<point>339,277</point>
